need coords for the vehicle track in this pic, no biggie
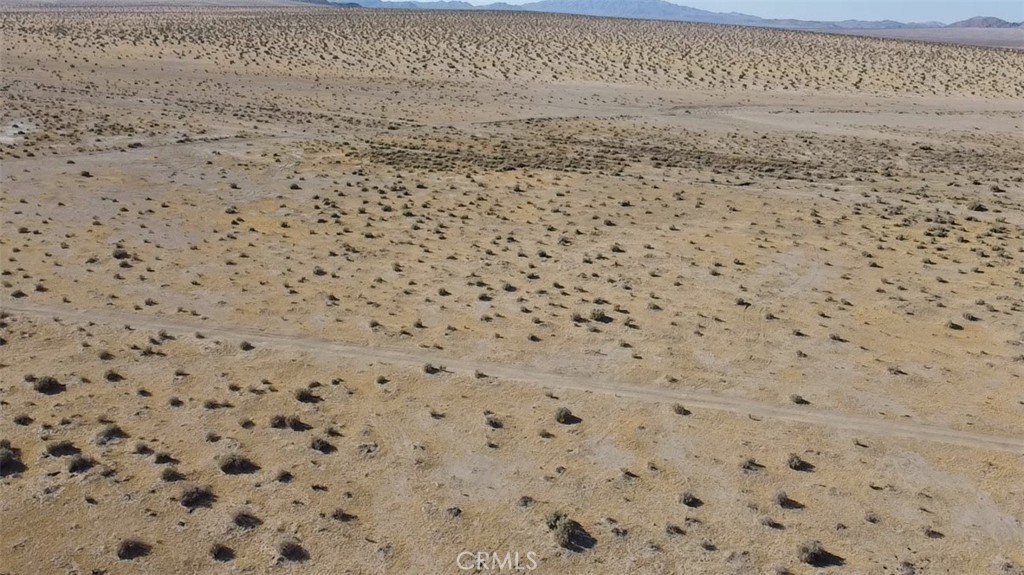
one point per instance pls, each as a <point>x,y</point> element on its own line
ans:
<point>695,399</point>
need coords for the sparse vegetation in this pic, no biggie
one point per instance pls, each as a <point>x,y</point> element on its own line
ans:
<point>129,549</point>
<point>568,533</point>
<point>794,462</point>
<point>47,385</point>
<point>196,496</point>
<point>62,448</point>
<point>221,552</point>
<point>814,554</point>
<point>235,464</point>
<point>566,417</point>
<point>246,520</point>
<point>256,236</point>
<point>292,551</point>
<point>79,463</point>
<point>110,433</point>
<point>10,460</point>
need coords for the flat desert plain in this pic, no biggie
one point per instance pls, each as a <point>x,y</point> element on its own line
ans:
<point>312,290</point>
<point>991,37</point>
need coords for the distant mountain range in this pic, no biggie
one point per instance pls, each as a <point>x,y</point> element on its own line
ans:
<point>985,22</point>
<point>661,10</point>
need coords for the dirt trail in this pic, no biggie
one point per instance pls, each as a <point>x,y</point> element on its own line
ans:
<point>692,399</point>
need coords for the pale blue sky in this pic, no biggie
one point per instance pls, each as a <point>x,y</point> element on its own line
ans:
<point>903,10</point>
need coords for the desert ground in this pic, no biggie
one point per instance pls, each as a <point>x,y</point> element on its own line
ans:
<point>1012,38</point>
<point>308,290</point>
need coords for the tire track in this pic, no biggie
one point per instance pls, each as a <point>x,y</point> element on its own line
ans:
<point>417,358</point>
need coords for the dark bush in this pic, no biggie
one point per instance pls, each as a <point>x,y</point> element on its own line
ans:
<point>80,463</point>
<point>10,460</point>
<point>48,385</point>
<point>110,434</point>
<point>341,515</point>
<point>322,445</point>
<point>132,549</point>
<point>292,551</point>
<point>62,448</point>
<point>306,396</point>
<point>235,464</point>
<point>171,474</point>
<point>246,520</point>
<point>782,500</point>
<point>569,534</point>
<point>678,409</point>
<point>690,500</point>
<point>795,463</point>
<point>221,552</point>
<point>197,496</point>
<point>815,555</point>
<point>565,417</point>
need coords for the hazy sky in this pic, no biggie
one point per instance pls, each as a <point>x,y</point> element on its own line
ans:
<point>903,10</point>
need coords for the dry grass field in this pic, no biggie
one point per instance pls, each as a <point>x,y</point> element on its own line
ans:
<point>343,291</point>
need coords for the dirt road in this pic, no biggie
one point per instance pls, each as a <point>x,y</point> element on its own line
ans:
<point>692,399</point>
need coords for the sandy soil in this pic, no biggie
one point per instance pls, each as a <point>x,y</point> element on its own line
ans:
<point>992,37</point>
<point>306,290</point>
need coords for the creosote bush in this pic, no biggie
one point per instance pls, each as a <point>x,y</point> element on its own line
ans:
<point>292,551</point>
<point>235,464</point>
<point>196,496</point>
<point>132,549</point>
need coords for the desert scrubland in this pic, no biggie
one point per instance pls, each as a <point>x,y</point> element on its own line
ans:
<point>344,291</point>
